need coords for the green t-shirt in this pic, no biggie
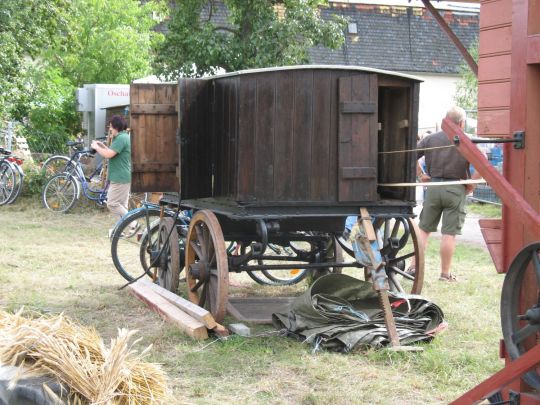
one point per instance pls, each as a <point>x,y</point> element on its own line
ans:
<point>120,165</point>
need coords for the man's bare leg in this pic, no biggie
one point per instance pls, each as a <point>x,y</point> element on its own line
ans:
<point>448,245</point>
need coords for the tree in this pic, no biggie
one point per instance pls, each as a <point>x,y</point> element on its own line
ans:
<point>101,41</point>
<point>257,33</point>
<point>26,28</point>
<point>467,88</point>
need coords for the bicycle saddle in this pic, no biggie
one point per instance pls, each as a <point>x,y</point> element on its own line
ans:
<point>5,152</point>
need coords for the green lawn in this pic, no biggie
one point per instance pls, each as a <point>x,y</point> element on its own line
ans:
<point>61,263</point>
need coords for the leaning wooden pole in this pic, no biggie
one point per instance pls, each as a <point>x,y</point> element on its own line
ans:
<point>453,37</point>
<point>526,214</point>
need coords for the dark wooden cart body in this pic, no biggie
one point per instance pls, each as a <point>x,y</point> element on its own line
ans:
<point>294,143</point>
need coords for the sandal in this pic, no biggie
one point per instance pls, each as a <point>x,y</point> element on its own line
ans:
<point>449,278</point>
<point>411,271</point>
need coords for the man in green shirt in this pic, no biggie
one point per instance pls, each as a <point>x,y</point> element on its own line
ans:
<point>119,155</point>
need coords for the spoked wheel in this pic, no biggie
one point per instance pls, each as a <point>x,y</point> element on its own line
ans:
<point>169,260</point>
<point>60,193</point>
<point>400,245</point>
<point>207,270</point>
<point>7,182</point>
<point>56,165</point>
<point>521,324</point>
<point>135,241</point>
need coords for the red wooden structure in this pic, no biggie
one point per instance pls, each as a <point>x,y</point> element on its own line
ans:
<point>509,102</point>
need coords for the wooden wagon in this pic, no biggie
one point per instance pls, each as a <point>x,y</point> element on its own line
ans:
<point>280,157</point>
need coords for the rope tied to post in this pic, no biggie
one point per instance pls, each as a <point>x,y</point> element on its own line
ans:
<point>416,150</point>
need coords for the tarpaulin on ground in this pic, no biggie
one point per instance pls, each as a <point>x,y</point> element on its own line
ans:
<point>342,313</point>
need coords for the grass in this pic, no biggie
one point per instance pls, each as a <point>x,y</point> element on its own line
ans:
<point>484,210</point>
<point>61,263</point>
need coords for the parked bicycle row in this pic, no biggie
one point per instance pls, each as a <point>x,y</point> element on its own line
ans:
<point>11,177</point>
<point>67,179</point>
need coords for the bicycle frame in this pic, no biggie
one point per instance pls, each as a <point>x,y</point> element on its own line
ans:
<point>75,170</point>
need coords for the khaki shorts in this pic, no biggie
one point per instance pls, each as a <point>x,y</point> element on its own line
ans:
<point>445,201</point>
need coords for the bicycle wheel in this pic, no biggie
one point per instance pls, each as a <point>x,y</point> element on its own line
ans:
<point>19,180</point>
<point>60,193</point>
<point>55,165</point>
<point>7,182</point>
<point>134,241</point>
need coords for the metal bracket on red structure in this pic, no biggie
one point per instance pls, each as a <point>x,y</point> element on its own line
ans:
<point>531,221</point>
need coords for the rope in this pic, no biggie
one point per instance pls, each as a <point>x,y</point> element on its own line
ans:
<point>433,184</point>
<point>415,150</point>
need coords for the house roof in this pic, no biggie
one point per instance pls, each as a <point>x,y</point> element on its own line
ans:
<point>399,38</point>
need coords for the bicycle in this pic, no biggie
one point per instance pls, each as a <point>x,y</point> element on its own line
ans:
<point>138,237</point>
<point>62,190</point>
<point>11,177</point>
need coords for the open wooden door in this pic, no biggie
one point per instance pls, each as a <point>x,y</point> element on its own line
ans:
<point>154,122</point>
<point>357,127</point>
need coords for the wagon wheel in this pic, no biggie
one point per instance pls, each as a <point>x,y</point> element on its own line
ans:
<point>521,326</point>
<point>207,270</point>
<point>169,261</point>
<point>400,244</point>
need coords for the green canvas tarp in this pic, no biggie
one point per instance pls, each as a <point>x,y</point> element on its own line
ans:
<point>342,313</point>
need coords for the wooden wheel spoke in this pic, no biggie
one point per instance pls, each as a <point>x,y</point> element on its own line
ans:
<point>196,248</point>
<point>199,228</point>
<point>404,257</point>
<point>212,260</point>
<point>197,285</point>
<point>202,298</point>
<point>524,333</point>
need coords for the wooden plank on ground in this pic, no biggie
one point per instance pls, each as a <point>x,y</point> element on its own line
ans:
<point>195,311</point>
<point>169,311</point>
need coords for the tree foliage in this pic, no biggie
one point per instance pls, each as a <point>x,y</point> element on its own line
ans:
<point>26,28</point>
<point>257,33</point>
<point>77,42</point>
<point>467,88</point>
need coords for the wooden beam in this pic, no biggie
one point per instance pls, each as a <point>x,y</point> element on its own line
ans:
<point>165,109</point>
<point>494,383</point>
<point>453,37</point>
<point>507,193</point>
<point>169,312</point>
<point>200,314</point>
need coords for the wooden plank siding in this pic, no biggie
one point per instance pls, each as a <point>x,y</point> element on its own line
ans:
<point>494,68</point>
<point>153,137</point>
<point>194,143</point>
<point>279,137</point>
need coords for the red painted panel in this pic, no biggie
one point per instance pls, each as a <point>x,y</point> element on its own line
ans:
<point>533,49</point>
<point>495,40</point>
<point>492,232</point>
<point>495,13</point>
<point>494,67</point>
<point>494,122</point>
<point>492,95</point>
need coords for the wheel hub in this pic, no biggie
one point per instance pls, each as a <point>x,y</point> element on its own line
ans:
<point>200,270</point>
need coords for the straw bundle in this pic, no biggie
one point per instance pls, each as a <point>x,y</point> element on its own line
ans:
<point>78,358</point>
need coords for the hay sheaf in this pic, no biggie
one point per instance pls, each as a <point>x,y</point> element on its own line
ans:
<point>78,358</point>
